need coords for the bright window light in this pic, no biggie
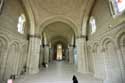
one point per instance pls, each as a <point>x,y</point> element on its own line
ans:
<point>59,46</point>
<point>92,24</point>
<point>59,52</point>
<point>120,4</point>
<point>20,25</point>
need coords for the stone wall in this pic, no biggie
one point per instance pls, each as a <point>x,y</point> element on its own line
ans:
<point>13,45</point>
<point>106,45</point>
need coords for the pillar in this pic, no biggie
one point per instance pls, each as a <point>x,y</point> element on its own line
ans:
<point>46,48</point>
<point>71,55</point>
<point>82,54</point>
<point>46,54</point>
<point>75,56</point>
<point>41,56</point>
<point>67,54</point>
<point>33,54</point>
<point>51,54</point>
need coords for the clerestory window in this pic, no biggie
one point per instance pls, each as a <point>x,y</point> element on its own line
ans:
<point>92,23</point>
<point>116,7</point>
<point>21,23</point>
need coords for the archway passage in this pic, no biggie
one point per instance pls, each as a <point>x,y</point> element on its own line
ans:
<point>59,52</point>
<point>58,40</point>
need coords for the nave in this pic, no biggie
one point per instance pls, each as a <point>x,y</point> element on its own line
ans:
<point>87,33</point>
<point>58,72</point>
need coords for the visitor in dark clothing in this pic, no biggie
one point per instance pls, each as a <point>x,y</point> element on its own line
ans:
<point>74,79</point>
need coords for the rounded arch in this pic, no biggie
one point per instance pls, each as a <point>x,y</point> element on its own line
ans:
<point>15,42</point>
<point>11,66</point>
<point>112,59</point>
<point>4,40</point>
<point>31,18</point>
<point>106,40</point>
<point>59,38</point>
<point>55,42</point>
<point>59,19</point>
<point>120,37</point>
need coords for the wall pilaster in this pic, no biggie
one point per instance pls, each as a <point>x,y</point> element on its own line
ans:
<point>46,54</point>
<point>71,55</point>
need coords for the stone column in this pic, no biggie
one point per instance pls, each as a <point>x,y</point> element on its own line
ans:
<point>33,54</point>
<point>67,54</point>
<point>51,54</point>
<point>71,60</point>
<point>75,56</point>
<point>46,54</point>
<point>41,56</point>
<point>82,54</point>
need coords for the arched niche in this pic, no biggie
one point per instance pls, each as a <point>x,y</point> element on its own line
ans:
<point>90,59</point>
<point>112,64</point>
<point>22,60</point>
<point>3,47</point>
<point>3,50</point>
<point>121,44</point>
<point>99,61</point>
<point>12,60</point>
<point>121,49</point>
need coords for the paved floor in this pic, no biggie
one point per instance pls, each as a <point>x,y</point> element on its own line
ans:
<point>58,72</point>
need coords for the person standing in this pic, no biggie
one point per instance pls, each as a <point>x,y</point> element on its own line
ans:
<point>10,80</point>
<point>74,79</point>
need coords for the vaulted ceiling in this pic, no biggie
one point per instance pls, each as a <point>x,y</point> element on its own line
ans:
<point>72,10</point>
<point>60,6</point>
<point>59,31</point>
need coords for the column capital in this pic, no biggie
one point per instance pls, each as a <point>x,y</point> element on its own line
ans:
<point>81,36</point>
<point>70,45</point>
<point>34,36</point>
<point>45,45</point>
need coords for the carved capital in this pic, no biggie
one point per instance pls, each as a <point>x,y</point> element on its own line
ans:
<point>81,36</point>
<point>34,36</point>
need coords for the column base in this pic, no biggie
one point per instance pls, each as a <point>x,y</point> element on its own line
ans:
<point>33,71</point>
<point>82,70</point>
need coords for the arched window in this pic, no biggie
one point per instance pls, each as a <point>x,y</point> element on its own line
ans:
<point>116,7</point>
<point>92,22</point>
<point>21,23</point>
<point>1,5</point>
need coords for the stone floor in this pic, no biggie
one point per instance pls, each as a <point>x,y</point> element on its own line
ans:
<point>57,72</point>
